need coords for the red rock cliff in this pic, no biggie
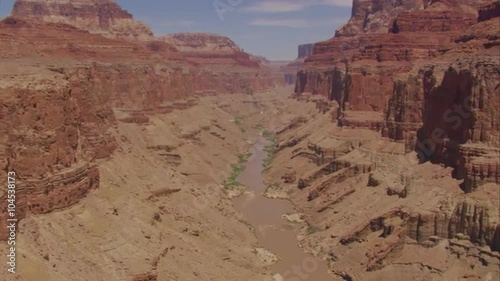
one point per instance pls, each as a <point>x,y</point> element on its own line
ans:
<point>290,70</point>
<point>408,65</point>
<point>103,17</point>
<point>305,50</point>
<point>63,80</point>
<point>207,48</point>
<point>375,16</point>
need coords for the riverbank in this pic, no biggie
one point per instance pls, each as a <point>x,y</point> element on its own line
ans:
<point>275,222</point>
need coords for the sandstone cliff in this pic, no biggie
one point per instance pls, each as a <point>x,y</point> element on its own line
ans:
<point>400,64</point>
<point>104,17</point>
<point>375,212</point>
<point>202,42</point>
<point>424,76</point>
<point>305,50</point>
<point>70,74</point>
<point>458,97</point>
<point>207,48</point>
<point>291,69</point>
<point>372,16</point>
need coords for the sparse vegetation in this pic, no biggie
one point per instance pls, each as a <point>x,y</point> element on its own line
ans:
<point>269,149</point>
<point>268,135</point>
<point>248,224</point>
<point>231,182</point>
<point>238,120</point>
<point>312,229</point>
<point>274,185</point>
<point>276,191</point>
<point>258,127</point>
<point>243,158</point>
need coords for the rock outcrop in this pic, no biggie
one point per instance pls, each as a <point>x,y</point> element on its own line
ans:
<point>70,72</point>
<point>411,219</point>
<point>489,11</point>
<point>104,17</point>
<point>305,50</point>
<point>417,62</point>
<point>55,127</point>
<point>424,76</point>
<point>204,48</point>
<point>456,100</point>
<point>291,69</point>
<point>375,16</point>
<point>202,43</point>
<point>58,190</point>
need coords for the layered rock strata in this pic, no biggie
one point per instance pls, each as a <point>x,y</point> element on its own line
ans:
<point>423,75</point>
<point>104,17</point>
<point>401,63</point>
<point>290,70</point>
<point>70,71</point>
<point>421,220</point>
<point>206,48</point>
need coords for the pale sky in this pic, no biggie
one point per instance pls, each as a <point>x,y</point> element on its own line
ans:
<point>271,28</point>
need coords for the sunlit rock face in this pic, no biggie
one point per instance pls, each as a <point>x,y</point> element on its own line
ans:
<point>207,48</point>
<point>414,62</point>
<point>103,17</point>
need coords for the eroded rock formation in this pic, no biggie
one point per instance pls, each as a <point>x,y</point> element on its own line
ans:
<point>305,50</point>
<point>104,17</point>
<point>290,70</point>
<point>206,48</point>
<point>65,87</point>
<point>424,76</point>
<point>418,63</point>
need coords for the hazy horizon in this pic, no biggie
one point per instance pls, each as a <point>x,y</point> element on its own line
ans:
<point>272,29</point>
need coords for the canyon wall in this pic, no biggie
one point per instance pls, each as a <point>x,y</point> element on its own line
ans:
<point>407,68</point>
<point>290,70</point>
<point>305,50</point>
<point>206,49</point>
<point>55,127</point>
<point>458,102</point>
<point>71,70</point>
<point>103,17</point>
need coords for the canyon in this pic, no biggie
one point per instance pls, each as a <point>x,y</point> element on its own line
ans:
<point>291,69</point>
<point>418,81</point>
<point>389,77</point>
<point>127,146</point>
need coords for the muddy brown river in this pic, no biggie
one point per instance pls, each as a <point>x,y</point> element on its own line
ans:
<point>274,232</point>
